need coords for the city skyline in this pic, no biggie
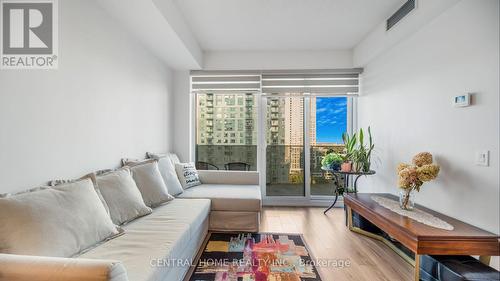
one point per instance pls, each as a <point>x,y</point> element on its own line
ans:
<point>218,120</point>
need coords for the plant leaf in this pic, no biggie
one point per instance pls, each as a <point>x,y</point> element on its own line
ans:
<point>361,137</point>
<point>370,135</point>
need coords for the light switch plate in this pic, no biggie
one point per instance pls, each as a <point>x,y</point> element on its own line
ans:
<point>483,158</point>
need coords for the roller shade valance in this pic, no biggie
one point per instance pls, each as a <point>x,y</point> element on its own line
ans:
<point>332,82</point>
<point>235,82</point>
<point>321,83</point>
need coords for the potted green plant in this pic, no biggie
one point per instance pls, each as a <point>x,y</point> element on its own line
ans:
<point>367,163</point>
<point>349,149</point>
<point>346,164</point>
<point>357,153</point>
<point>332,161</point>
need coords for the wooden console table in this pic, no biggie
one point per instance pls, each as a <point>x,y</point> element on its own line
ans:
<point>422,239</point>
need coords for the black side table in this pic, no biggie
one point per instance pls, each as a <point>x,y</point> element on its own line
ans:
<point>346,175</point>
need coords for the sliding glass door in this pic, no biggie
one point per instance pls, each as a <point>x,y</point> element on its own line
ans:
<point>328,119</point>
<point>299,131</point>
<point>285,146</point>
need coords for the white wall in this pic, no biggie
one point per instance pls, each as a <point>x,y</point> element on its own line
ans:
<point>243,60</point>
<point>183,118</point>
<point>379,40</point>
<point>109,99</point>
<point>160,27</point>
<point>407,94</point>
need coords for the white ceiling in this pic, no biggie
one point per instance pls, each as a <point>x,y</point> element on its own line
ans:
<point>274,25</point>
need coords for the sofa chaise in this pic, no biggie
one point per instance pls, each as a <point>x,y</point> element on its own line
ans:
<point>235,198</point>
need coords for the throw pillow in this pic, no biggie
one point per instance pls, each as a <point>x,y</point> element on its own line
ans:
<point>59,182</point>
<point>60,221</point>
<point>148,178</point>
<point>168,173</point>
<point>188,175</point>
<point>122,196</point>
<point>174,158</point>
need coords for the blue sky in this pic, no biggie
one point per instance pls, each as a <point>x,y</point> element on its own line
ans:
<point>331,119</point>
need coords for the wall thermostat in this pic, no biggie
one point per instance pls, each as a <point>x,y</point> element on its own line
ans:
<point>462,100</point>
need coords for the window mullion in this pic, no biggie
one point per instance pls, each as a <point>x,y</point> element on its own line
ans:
<point>307,147</point>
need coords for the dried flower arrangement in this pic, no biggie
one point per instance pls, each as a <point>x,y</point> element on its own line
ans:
<point>412,176</point>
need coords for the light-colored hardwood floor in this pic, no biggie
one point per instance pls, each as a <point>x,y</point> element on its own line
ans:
<point>329,240</point>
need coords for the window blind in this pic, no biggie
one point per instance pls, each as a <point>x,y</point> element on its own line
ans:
<point>335,82</point>
<point>215,81</point>
<point>332,82</point>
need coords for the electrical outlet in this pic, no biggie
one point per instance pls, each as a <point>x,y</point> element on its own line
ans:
<point>483,158</point>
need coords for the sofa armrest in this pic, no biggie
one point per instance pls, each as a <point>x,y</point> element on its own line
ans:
<point>228,177</point>
<point>24,268</point>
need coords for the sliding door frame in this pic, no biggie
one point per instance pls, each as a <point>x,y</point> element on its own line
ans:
<point>308,199</point>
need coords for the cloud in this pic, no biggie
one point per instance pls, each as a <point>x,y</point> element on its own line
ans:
<point>342,103</point>
<point>338,110</point>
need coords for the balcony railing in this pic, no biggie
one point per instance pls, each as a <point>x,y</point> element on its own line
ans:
<point>221,155</point>
<point>284,165</point>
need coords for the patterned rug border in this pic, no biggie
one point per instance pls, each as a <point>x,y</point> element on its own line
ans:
<point>204,244</point>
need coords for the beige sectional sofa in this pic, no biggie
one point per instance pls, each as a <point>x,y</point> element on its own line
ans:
<point>158,246</point>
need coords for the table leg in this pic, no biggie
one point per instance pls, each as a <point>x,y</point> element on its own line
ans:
<point>334,201</point>
<point>349,217</point>
<point>415,262</point>
<point>336,190</point>
<point>417,267</point>
<point>356,184</point>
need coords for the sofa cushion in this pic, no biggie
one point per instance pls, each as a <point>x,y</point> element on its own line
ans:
<point>187,174</point>
<point>229,177</point>
<point>36,268</point>
<point>148,178</point>
<point>174,158</point>
<point>63,181</point>
<point>168,173</point>
<point>122,196</point>
<point>234,221</point>
<point>59,222</point>
<point>168,233</point>
<point>227,197</point>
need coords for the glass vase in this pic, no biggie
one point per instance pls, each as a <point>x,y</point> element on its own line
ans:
<point>407,199</point>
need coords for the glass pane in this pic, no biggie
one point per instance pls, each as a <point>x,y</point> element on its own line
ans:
<point>328,122</point>
<point>285,146</point>
<point>226,136</point>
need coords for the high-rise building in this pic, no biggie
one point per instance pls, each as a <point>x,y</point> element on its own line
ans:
<point>294,133</point>
<point>228,119</point>
<point>312,123</point>
<point>227,132</point>
<point>226,129</point>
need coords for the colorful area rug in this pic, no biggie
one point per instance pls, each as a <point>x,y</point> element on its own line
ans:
<point>255,257</point>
